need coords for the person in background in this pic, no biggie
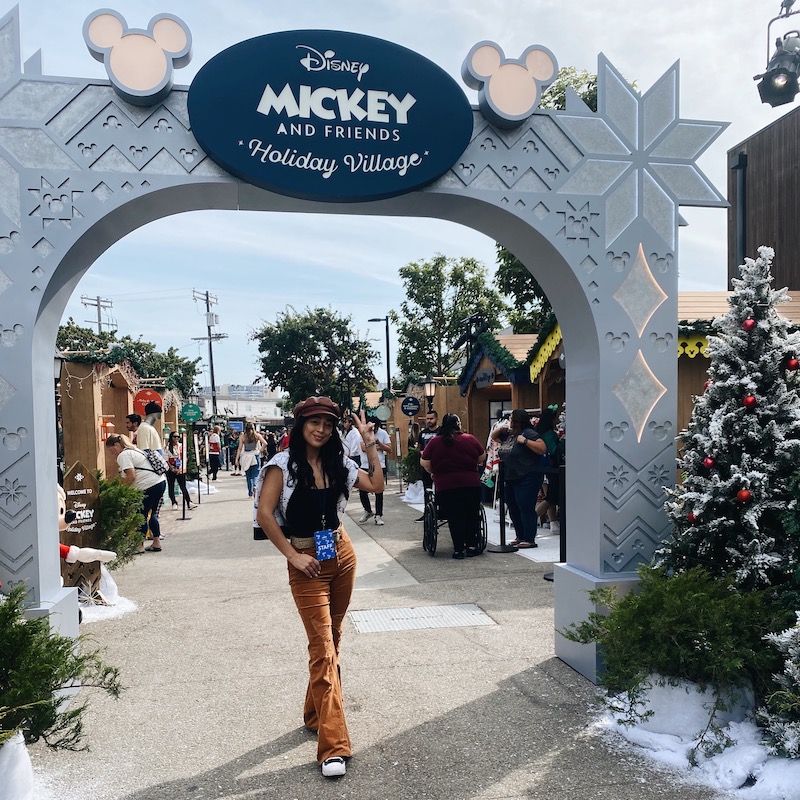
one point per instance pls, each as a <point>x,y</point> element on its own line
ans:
<point>413,436</point>
<point>272,445</point>
<point>177,469</point>
<point>384,446</point>
<point>143,434</point>
<point>452,458</point>
<point>351,440</point>
<point>548,507</point>
<point>284,443</point>
<point>521,451</point>
<point>425,436</point>
<point>135,470</point>
<point>214,451</point>
<point>301,497</point>
<point>233,446</point>
<point>251,442</point>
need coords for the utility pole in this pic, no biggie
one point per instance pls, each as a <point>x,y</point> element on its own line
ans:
<point>100,303</point>
<point>211,320</point>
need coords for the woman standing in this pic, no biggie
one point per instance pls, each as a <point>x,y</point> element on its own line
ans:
<point>546,428</point>
<point>135,470</point>
<point>177,470</point>
<point>214,451</point>
<point>452,457</point>
<point>301,493</point>
<point>250,444</point>
<point>521,451</point>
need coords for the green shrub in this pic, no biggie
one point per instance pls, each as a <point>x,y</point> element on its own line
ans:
<point>35,664</point>
<point>685,626</point>
<point>410,470</point>
<point>120,520</point>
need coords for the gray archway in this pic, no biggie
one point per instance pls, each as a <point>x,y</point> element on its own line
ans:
<point>588,201</point>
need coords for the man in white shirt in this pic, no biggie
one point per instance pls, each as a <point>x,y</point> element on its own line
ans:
<point>143,434</point>
<point>351,440</point>
<point>383,446</point>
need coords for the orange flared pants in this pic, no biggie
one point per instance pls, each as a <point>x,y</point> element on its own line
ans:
<point>322,603</point>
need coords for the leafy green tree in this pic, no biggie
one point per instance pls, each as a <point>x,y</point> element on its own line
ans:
<point>440,293</point>
<point>75,337</point>
<point>529,303</point>
<point>314,351</point>
<point>178,372</point>
<point>554,98</point>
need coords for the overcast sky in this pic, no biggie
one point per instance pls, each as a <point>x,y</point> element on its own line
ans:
<point>257,263</point>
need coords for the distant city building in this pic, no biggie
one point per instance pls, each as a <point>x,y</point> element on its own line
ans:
<point>256,402</point>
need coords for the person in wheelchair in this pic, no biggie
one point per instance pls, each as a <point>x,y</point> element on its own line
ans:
<point>452,458</point>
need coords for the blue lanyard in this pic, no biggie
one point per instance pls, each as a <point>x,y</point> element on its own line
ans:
<point>323,496</point>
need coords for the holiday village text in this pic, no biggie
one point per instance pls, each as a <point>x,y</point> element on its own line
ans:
<point>335,107</point>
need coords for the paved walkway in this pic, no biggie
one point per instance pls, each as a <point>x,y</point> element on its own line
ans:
<point>215,669</point>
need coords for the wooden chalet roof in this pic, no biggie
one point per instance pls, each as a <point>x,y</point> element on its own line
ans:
<point>518,344</point>
<point>693,306</point>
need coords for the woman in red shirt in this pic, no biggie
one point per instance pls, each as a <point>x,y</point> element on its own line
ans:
<point>452,457</point>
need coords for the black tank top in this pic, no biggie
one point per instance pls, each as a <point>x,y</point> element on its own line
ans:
<point>304,511</point>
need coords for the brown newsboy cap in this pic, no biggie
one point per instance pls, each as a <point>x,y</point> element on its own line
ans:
<point>317,406</point>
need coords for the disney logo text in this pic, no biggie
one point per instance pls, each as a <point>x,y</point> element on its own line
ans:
<point>314,61</point>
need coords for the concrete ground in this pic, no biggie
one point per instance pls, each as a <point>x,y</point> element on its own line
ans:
<point>214,664</point>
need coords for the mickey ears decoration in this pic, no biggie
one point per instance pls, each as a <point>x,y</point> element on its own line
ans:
<point>509,89</point>
<point>139,63</point>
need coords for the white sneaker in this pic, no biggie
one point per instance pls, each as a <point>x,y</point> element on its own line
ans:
<point>367,515</point>
<point>379,521</point>
<point>334,767</point>
<point>555,527</point>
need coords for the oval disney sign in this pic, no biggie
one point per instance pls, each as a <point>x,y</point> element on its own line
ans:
<point>328,115</point>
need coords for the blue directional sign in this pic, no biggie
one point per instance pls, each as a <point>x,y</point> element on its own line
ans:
<point>410,406</point>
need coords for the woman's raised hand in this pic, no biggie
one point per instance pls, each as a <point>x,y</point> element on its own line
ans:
<point>361,424</point>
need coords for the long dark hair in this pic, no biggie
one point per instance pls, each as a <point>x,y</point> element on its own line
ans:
<point>250,433</point>
<point>520,420</point>
<point>177,441</point>
<point>451,425</point>
<point>546,421</point>
<point>331,460</point>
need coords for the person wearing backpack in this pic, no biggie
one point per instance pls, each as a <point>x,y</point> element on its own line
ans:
<point>135,470</point>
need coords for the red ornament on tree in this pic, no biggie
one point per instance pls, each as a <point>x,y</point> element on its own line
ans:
<point>709,462</point>
<point>750,402</point>
<point>692,518</point>
<point>749,324</point>
<point>792,364</point>
<point>744,496</point>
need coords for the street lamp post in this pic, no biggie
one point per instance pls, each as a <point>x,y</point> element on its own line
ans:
<point>388,369</point>
<point>429,390</point>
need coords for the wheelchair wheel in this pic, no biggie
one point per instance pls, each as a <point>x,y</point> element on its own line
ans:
<point>430,528</point>
<point>483,531</point>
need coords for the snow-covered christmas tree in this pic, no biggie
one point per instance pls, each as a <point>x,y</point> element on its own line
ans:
<point>742,448</point>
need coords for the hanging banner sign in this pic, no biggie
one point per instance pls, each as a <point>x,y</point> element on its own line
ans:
<point>329,115</point>
<point>484,378</point>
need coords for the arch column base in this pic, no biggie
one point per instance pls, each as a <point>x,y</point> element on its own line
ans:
<point>61,609</point>
<point>573,606</point>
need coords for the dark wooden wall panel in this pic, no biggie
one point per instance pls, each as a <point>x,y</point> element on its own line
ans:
<point>772,198</point>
